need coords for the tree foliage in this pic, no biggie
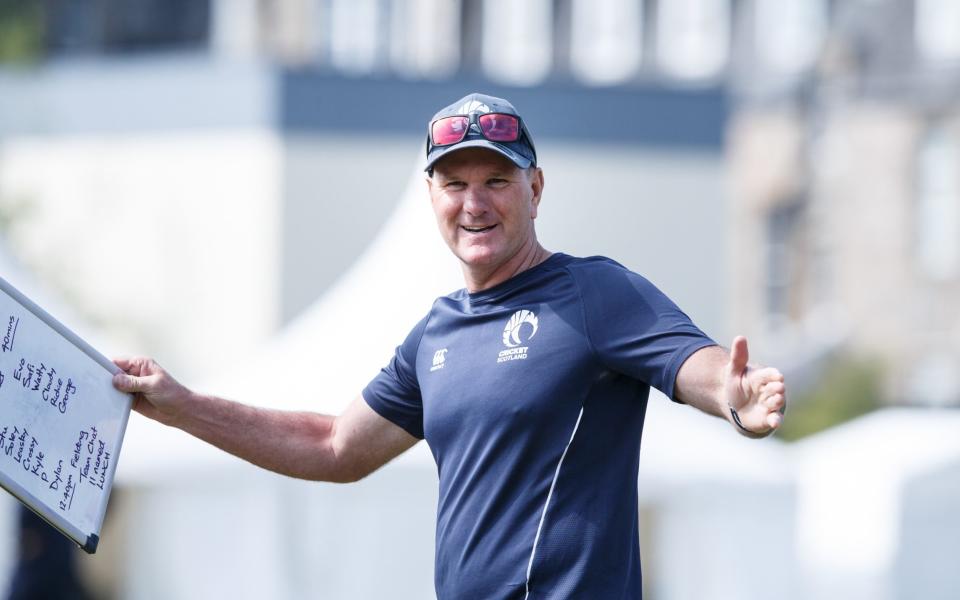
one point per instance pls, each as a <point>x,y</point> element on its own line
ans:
<point>21,31</point>
<point>849,387</point>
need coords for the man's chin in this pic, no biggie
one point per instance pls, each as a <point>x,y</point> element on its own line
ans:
<point>477,258</point>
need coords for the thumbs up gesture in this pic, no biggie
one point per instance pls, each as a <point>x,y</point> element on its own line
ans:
<point>756,396</point>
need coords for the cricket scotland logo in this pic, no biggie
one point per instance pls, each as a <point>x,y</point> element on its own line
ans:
<point>514,332</point>
<point>473,106</point>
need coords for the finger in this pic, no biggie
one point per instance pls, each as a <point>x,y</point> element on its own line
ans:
<point>125,363</point>
<point>774,387</point>
<point>763,391</point>
<point>758,379</point>
<point>769,390</point>
<point>766,375</point>
<point>131,365</point>
<point>775,402</point>
<point>739,355</point>
<point>774,420</point>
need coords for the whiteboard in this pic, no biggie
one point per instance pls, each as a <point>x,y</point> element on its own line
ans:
<point>61,420</point>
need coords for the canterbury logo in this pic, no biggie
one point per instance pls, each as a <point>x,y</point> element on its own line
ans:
<point>473,106</point>
<point>511,333</point>
<point>439,359</point>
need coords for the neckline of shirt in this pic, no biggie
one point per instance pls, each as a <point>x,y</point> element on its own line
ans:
<point>515,281</point>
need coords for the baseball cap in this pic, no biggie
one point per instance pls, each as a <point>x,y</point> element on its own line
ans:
<point>521,152</point>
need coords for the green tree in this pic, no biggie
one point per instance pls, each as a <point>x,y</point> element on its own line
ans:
<point>21,31</point>
<point>849,387</point>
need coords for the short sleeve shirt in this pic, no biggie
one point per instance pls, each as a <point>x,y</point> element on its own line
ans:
<point>531,396</point>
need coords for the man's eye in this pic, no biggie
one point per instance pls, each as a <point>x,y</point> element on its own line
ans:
<point>496,181</point>
<point>457,185</point>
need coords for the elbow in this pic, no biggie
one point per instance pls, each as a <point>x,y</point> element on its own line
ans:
<point>342,465</point>
<point>345,474</point>
<point>327,474</point>
<point>348,458</point>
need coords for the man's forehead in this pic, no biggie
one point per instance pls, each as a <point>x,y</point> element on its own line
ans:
<point>470,158</point>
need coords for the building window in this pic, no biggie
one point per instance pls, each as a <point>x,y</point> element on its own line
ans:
<point>424,37</point>
<point>693,37</point>
<point>605,40</point>
<point>784,225</point>
<point>937,231</point>
<point>356,35</point>
<point>937,29</point>
<point>789,33</point>
<point>125,25</point>
<point>517,40</point>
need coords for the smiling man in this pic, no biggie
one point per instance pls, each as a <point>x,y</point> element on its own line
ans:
<point>530,386</point>
<point>485,207</point>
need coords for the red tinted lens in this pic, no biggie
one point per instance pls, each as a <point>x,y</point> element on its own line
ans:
<point>449,130</point>
<point>500,128</point>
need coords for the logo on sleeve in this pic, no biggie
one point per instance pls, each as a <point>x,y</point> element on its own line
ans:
<point>439,359</point>
<point>514,334</point>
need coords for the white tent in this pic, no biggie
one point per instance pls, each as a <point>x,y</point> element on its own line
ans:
<point>877,507</point>
<point>198,523</point>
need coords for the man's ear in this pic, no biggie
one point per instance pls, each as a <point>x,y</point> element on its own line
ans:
<point>536,185</point>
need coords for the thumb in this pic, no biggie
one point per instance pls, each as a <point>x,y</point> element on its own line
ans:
<point>129,383</point>
<point>739,355</point>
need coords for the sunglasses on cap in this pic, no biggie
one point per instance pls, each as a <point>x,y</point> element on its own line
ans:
<point>496,127</point>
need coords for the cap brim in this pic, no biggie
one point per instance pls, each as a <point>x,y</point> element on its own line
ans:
<point>515,157</point>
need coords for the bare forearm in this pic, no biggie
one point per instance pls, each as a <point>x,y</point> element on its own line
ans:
<point>298,444</point>
<point>700,381</point>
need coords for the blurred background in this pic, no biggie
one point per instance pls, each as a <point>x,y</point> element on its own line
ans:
<point>235,188</point>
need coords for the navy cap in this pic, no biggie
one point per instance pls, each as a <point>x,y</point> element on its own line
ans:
<point>521,152</point>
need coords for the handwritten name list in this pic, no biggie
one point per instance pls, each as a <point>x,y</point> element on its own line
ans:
<point>61,420</point>
<point>36,376</point>
<point>60,474</point>
<point>88,463</point>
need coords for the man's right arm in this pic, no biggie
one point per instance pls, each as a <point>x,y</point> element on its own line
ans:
<point>305,445</point>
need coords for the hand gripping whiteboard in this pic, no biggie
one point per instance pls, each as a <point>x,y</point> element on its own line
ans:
<point>61,420</point>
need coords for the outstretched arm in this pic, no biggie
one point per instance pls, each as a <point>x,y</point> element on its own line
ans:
<point>752,398</point>
<point>299,444</point>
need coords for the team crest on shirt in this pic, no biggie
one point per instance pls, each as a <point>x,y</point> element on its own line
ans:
<point>521,327</point>
<point>439,360</point>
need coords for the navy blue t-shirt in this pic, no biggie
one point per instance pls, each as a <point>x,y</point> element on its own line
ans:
<point>531,396</point>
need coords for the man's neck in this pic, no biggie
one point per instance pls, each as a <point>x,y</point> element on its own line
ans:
<point>526,258</point>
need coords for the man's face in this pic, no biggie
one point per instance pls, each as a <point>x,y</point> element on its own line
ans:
<point>485,206</point>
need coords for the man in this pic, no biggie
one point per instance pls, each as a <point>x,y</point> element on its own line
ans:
<point>529,385</point>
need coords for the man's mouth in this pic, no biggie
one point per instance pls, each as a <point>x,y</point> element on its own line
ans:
<point>477,229</point>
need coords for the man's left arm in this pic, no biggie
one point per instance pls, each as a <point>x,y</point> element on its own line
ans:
<point>722,383</point>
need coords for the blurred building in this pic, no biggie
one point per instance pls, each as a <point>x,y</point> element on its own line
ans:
<point>843,143</point>
<point>596,41</point>
<point>845,152</point>
<point>194,176</point>
<point>240,155</point>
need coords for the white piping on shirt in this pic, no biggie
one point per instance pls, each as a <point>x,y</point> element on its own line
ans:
<point>543,515</point>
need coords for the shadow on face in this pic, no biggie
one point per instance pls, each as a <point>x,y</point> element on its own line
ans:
<point>468,159</point>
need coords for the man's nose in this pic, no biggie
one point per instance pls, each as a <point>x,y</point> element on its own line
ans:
<point>475,202</point>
